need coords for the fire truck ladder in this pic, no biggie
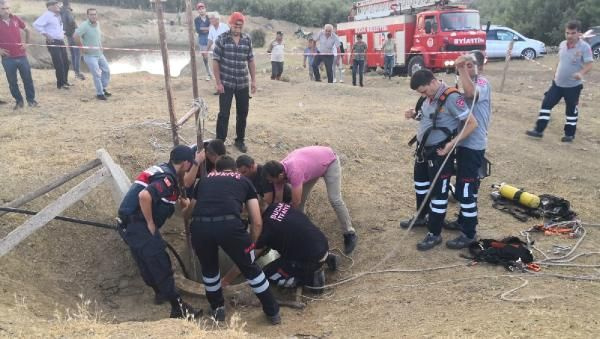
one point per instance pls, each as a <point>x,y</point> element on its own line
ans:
<point>369,9</point>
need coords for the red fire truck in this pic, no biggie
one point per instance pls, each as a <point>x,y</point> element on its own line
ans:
<point>428,33</point>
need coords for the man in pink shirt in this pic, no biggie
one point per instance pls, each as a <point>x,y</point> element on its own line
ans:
<point>301,169</point>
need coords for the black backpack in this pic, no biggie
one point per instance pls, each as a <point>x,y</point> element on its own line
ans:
<point>507,252</point>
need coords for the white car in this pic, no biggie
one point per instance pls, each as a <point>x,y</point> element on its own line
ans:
<point>498,38</point>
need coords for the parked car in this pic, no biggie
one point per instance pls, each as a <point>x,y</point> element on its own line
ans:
<point>498,38</point>
<point>592,37</point>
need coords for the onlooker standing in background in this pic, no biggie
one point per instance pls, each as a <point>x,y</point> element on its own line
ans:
<point>309,55</point>
<point>50,26</point>
<point>14,56</point>
<point>326,41</point>
<point>202,24</point>
<point>358,59</point>
<point>233,59</point>
<point>69,25</point>
<point>389,56</point>
<point>276,49</point>
<point>89,35</point>
<point>338,68</point>
<point>216,28</point>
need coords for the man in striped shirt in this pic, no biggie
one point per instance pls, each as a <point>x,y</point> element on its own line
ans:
<point>232,59</point>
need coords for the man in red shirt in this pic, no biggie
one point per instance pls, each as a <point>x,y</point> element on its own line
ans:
<point>14,56</point>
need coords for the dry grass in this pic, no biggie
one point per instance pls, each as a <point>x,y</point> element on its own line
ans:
<point>88,321</point>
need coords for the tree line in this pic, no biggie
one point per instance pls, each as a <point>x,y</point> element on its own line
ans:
<point>543,20</point>
<point>301,12</point>
<point>539,19</point>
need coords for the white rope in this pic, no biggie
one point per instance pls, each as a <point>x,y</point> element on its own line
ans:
<point>345,256</point>
<point>505,296</point>
<point>393,270</point>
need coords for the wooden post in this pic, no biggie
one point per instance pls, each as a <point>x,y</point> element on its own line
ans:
<point>165,57</point>
<point>190,24</point>
<point>508,54</point>
<point>200,113</point>
<point>22,200</point>
<point>195,271</point>
<point>120,182</point>
<point>44,216</point>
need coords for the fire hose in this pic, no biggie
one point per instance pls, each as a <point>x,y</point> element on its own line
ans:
<point>99,225</point>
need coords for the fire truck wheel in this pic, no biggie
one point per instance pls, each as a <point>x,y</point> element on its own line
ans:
<point>416,63</point>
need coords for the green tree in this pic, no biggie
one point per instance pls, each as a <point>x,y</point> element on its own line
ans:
<point>258,38</point>
<point>540,19</point>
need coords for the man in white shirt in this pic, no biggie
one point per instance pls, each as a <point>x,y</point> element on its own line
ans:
<point>326,41</point>
<point>216,28</point>
<point>276,49</point>
<point>50,26</point>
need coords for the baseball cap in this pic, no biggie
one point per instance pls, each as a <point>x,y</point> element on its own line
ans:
<point>182,153</point>
<point>51,2</point>
<point>200,5</point>
<point>235,17</point>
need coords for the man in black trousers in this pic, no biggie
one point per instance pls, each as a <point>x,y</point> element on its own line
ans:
<point>50,26</point>
<point>232,61</point>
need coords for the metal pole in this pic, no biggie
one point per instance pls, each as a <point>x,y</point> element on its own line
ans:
<point>165,57</point>
<point>190,24</point>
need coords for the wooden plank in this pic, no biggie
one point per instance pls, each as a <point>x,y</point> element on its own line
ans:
<point>120,182</point>
<point>27,197</point>
<point>187,116</point>
<point>44,216</point>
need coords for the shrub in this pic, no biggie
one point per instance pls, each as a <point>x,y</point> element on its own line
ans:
<point>258,37</point>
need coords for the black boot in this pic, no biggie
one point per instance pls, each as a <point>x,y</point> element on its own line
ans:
<point>420,222</point>
<point>350,240</point>
<point>318,281</point>
<point>218,314</point>
<point>182,310</point>
<point>332,262</point>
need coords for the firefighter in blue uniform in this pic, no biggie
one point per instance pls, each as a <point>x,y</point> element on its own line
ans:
<point>470,151</point>
<point>442,113</point>
<point>216,223</point>
<point>147,205</point>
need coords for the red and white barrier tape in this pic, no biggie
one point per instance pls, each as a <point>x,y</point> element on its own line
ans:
<point>203,52</point>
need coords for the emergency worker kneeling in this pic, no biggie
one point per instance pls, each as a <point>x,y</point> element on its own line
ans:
<point>216,223</point>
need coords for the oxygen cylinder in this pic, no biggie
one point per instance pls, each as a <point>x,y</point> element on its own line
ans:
<point>520,196</point>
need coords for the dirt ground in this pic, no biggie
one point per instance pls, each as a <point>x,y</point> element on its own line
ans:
<point>46,274</point>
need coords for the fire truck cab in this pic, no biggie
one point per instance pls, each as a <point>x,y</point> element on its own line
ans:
<point>428,33</point>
